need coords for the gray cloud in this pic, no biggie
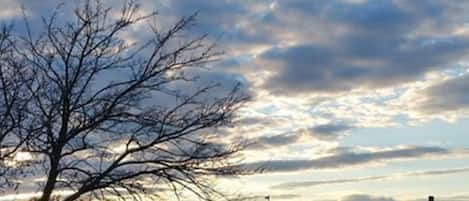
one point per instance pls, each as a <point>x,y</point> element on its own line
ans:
<point>348,158</point>
<point>343,46</point>
<point>376,47</point>
<point>365,197</point>
<point>330,131</point>
<point>322,132</point>
<point>451,95</point>
<point>360,61</point>
<point>275,141</point>
<point>293,185</point>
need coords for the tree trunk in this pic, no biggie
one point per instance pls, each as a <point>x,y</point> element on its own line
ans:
<point>51,180</point>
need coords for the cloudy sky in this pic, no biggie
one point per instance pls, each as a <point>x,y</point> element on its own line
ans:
<point>353,100</point>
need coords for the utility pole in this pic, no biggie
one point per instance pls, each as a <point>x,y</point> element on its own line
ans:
<point>431,198</point>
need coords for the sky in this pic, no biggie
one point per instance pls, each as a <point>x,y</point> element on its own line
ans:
<point>352,100</point>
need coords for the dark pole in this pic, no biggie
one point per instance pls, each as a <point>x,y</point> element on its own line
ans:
<point>431,198</point>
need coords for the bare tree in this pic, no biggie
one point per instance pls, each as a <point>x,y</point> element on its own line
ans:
<point>108,117</point>
<point>12,107</point>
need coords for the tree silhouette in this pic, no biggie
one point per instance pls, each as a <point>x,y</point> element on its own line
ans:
<point>13,102</point>
<point>101,116</point>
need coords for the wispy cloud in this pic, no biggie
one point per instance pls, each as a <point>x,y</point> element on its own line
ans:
<point>294,185</point>
<point>351,158</point>
<point>322,132</point>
